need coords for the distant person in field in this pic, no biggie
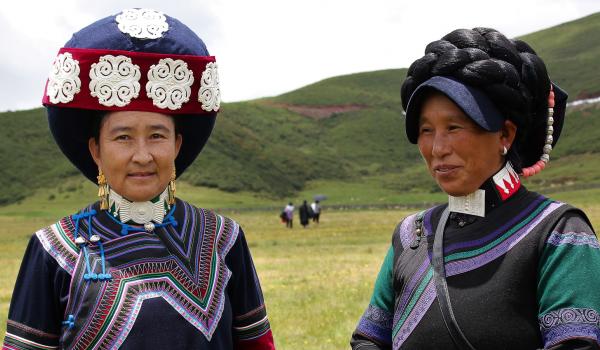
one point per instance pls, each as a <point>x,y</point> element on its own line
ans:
<point>304,213</point>
<point>289,212</point>
<point>316,209</point>
<point>131,100</point>
<point>498,266</point>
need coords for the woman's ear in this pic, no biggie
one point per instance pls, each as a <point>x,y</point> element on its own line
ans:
<point>94,148</point>
<point>508,133</point>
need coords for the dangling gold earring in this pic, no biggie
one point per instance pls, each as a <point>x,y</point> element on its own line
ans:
<point>102,190</point>
<point>171,188</point>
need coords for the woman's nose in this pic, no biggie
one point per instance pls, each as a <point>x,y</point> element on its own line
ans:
<point>441,145</point>
<point>142,153</point>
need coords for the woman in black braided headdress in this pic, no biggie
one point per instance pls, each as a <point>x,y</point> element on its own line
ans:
<point>498,267</point>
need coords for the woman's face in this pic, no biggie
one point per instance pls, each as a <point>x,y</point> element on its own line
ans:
<point>460,154</point>
<point>136,151</point>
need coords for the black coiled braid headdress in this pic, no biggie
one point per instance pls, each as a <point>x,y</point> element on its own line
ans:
<point>509,73</point>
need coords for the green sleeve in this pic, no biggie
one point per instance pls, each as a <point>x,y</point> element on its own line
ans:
<point>569,285</point>
<point>374,330</point>
<point>383,293</point>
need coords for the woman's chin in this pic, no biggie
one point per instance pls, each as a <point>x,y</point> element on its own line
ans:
<point>141,193</point>
<point>456,194</point>
<point>454,190</point>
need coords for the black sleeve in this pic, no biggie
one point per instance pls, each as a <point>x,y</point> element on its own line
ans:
<point>39,300</point>
<point>251,326</point>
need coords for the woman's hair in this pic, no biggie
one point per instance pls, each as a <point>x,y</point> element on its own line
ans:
<point>508,71</point>
<point>97,119</point>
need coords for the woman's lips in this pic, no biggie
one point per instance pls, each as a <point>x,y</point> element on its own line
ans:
<point>141,175</point>
<point>445,169</point>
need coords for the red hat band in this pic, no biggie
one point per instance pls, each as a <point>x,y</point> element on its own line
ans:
<point>125,80</point>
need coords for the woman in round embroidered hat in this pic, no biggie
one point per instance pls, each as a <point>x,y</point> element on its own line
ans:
<point>131,101</point>
<point>498,266</point>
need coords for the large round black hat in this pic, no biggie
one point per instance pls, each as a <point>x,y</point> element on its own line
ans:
<point>138,60</point>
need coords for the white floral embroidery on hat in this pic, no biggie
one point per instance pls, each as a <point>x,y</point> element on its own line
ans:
<point>169,83</point>
<point>142,23</point>
<point>210,93</point>
<point>63,82</point>
<point>115,80</point>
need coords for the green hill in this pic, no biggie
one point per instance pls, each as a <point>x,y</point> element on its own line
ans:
<point>379,88</point>
<point>340,133</point>
<point>571,52</point>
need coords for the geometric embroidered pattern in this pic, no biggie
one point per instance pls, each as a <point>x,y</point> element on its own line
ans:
<point>255,324</point>
<point>187,269</point>
<point>14,342</point>
<point>379,316</point>
<point>376,323</point>
<point>22,337</point>
<point>573,238</point>
<point>568,323</point>
<point>58,241</point>
<point>507,181</point>
<point>569,315</point>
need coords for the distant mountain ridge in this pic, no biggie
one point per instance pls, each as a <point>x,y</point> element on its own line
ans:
<point>345,128</point>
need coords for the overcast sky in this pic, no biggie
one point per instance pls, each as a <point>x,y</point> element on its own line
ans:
<point>268,47</point>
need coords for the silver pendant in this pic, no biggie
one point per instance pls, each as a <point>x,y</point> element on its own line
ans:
<point>141,212</point>
<point>149,227</point>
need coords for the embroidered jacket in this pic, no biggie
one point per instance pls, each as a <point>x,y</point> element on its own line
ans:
<point>523,277</point>
<point>183,286</point>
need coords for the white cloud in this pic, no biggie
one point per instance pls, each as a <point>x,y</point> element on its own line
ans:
<point>267,47</point>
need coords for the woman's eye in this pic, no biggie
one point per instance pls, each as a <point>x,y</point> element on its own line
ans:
<point>425,130</point>
<point>454,127</point>
<point>157,136</point>
<point>122,137</point>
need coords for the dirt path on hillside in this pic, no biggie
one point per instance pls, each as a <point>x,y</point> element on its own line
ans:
<point>320,112</point>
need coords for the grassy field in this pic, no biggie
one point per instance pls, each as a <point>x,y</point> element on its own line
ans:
<point>317,281</point>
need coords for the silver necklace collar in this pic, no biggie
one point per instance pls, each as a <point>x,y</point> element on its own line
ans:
<point>138,212</point>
